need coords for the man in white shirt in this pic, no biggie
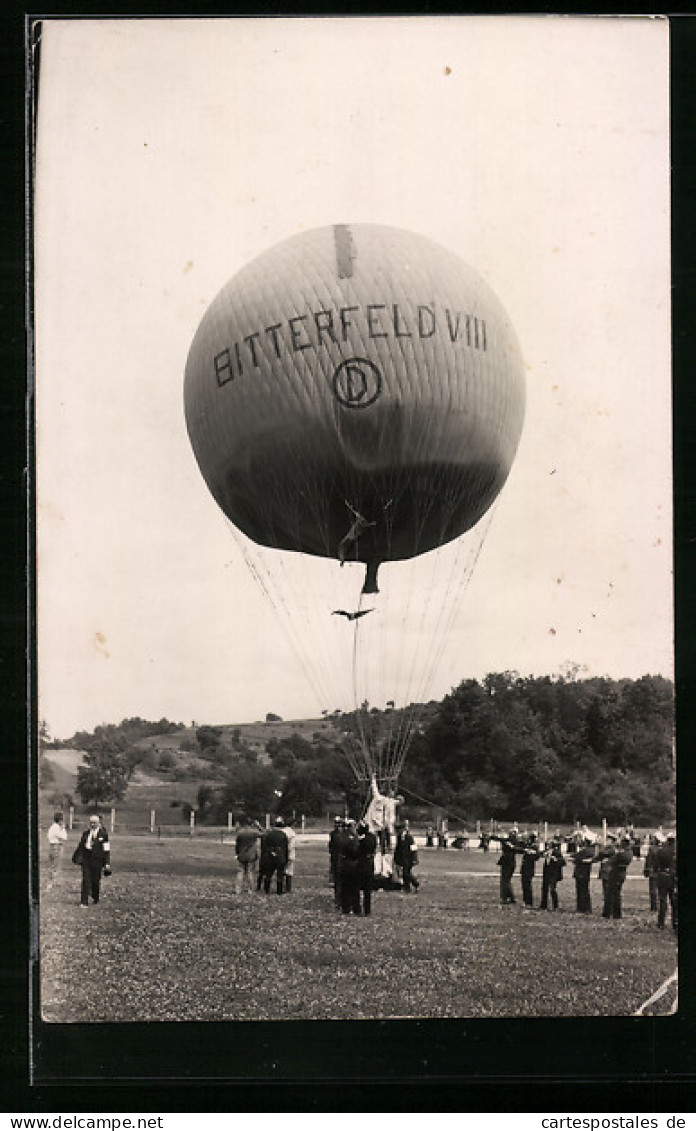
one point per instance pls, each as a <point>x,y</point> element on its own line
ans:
<point>290,866</point>
<point>57,836</point>
<point>381,814</point>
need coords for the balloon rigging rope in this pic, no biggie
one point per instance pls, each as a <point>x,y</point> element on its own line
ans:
<point>384,754</point>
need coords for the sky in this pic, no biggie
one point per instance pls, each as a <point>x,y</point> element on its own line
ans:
<point>170,153</point>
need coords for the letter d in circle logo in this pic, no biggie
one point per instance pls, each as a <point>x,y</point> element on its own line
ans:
<point>357,383</point>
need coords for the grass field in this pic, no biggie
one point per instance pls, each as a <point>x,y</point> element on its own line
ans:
<point>171,941</point>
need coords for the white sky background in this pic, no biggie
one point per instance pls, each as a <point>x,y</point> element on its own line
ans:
<point>171,153</point>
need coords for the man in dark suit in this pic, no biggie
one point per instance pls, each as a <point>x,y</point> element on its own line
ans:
<point>530,855</point>
<point>93,854</point>
<point>367,846</point>
<point>274,857</point>
<point>620,861</point>
<point>406,857</point>
<point>506,862</point>
<point>551,874</point>
<point>666,865</point>
<point>585,857</point>
<point>348,866</point>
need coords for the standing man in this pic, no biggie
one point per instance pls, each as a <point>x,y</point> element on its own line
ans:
<point>667,881</point>
<point>606,867</point>
<point>367,846</point>
<point>93,854</point>
<point>584,859</point>
<point>650,870</point>
<point>381,814</point>
<point>274,857</point>
<point>619,866</point>
<point>530,855</point>
<point>506,863</point>
<point>57,836</point>
<point>334,842</point>
<point>246,847</point>
<point>406,858</point>
<point>551,874</point>
<point>348,869</point>
<point>290,866</point>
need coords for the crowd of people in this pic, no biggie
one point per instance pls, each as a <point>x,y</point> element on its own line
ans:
<point>581,851</point>
<point>379,852</point>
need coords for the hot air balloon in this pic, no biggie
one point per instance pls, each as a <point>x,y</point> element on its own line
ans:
<point>355,394</point>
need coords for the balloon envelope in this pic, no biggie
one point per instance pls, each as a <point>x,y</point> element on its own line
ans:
<point>355,373</point>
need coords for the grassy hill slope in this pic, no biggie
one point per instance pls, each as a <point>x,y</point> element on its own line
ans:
<point>167,791</point>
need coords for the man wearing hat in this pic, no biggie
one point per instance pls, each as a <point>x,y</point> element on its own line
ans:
<point>666,863</point>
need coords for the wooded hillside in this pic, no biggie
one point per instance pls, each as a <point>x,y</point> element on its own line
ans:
<point>507,747</point>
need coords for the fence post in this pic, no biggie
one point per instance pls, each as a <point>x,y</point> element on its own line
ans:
<point>303,822</point>
<point>230,821</point>
<point>152,820</point>
<point>113,819</point>
<point>604,830</point>
<point>71,817</point>
<point>192,822</point>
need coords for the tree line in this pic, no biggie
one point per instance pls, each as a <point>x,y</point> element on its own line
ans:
<point>562,749</point>
<point>506,747</point>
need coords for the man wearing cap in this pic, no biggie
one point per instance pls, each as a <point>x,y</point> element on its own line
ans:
<point>506,862</point>
<point>551,874</point>
<point>666,863</point>
<point>274,857</point>
<point>620,861</point>
<point>606,859</point>
<point>530,855</point>
<point>584,859</point>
